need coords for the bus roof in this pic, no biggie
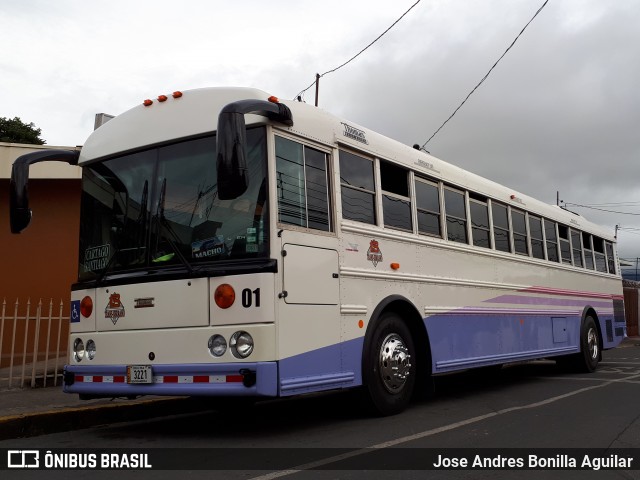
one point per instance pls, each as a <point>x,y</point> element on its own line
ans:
<point>195,112</point>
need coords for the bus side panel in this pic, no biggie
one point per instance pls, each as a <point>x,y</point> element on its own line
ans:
<point>461,340</point>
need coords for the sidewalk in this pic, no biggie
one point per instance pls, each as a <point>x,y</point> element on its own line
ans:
<point>28,411</point>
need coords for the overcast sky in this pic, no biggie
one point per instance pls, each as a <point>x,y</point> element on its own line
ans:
<point>561,112</point>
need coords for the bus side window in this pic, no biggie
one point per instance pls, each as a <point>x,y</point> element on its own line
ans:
<point>301,177</point>
<point>598,252</point>
<point>611,261</point>
<point>479,213</point>
<point>456,214</point>
<point>565,247</point>
<point>535,230</point>
<point>357,188</point>
<point>519,232</point>
<point>552,241</point>
<point>396,206</point>
<point>576,246</point>
<point>500,227</point>
<point>428,206</point>
<point>588,251</point>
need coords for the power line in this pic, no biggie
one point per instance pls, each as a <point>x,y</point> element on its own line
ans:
<point>601,209</point>
<point>359,53</point>
<point>485,77</point>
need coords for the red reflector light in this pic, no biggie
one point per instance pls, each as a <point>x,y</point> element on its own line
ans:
<point>147,102</point>
<point>224,295</point>
<point>86,307</point>
<point>177,94</point>
<point>162,98</point>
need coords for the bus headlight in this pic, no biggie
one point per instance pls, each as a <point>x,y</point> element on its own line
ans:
<point>78,350</point>
<point>91,350</point>
<point>241,344</point>
<point>217,345</point>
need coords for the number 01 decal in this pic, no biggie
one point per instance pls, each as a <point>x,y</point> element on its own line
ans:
<point>250,298</point>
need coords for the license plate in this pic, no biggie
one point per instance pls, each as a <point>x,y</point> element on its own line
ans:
<point>139,374</point>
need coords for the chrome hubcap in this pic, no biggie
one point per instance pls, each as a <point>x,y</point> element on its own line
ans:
<point>592,343</point>
<point>394,363</point>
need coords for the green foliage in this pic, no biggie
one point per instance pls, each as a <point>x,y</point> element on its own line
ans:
<point>16,131</point>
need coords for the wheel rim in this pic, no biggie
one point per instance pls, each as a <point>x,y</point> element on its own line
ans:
<point>592,343</point>
<point>395,363</point>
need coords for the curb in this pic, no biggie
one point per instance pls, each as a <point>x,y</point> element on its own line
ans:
<point>56,421</point>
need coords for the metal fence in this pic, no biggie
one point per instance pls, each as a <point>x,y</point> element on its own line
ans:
<point>33,343</point>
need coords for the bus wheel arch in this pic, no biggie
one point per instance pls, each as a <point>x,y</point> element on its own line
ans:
<point>590,343</point>
<point>396,329</point>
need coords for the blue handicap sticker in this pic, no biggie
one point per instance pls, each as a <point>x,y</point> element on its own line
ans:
<point>75,311</point>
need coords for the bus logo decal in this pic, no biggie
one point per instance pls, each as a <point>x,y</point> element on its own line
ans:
<point>115,309</point>
<point>355,134</point>
<point>374,255</point>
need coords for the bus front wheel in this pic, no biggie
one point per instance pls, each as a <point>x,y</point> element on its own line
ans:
<point>389,370</point>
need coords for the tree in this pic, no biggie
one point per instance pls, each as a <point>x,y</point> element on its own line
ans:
<point>16,131</point>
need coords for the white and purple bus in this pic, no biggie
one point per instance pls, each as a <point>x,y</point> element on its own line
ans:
<point>234,245</point>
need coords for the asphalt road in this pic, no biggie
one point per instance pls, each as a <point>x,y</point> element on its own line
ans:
<point>528,406</point>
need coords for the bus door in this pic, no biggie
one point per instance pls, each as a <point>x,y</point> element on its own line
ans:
<point>309,313</point>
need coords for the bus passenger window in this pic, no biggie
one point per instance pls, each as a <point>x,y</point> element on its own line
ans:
<point>519,232</point>
<point>301,177</point>
<point>358,188</point>
<point>552,241</point>
<point>588,251</point>
<point>428,206</point>
<point>480,223</point>
<point>576,246</point>
<point>535,230</point>
<point>565,247</point>
<point>598,252</point>
<point>500,227</point>
<point>396,206</point>
<point>611,261</point>
<point>454,207</point>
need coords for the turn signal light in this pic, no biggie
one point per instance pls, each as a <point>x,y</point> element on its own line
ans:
<point>224,295</point>
<point>395,266</point>
<point>86,307</point>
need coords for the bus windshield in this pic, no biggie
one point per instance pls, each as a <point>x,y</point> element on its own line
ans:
<point>160,207</point>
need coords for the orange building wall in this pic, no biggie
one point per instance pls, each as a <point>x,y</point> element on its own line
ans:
<point>42,261</point>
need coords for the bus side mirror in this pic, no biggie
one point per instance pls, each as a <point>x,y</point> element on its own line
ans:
<point>19,211</point>
<point>231,159</point>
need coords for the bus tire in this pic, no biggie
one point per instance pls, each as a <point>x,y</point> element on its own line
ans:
<point>389,371</point>
<point>587,359</point>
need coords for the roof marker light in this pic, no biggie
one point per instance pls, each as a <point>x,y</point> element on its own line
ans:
<point>147,102</point>
<point>176,94</point>
<point>273,99</point>
<point>162,98</point>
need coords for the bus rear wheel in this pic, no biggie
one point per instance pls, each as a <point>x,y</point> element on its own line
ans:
<point>389,371</point>
<point>589,356</point>
<point>585,361</point>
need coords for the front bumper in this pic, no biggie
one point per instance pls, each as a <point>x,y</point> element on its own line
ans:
<point>229,379</point>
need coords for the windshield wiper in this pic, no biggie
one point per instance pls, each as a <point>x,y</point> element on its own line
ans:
<point>163,223</point>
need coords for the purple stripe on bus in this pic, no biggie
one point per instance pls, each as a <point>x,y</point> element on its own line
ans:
<point>523,300</point>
